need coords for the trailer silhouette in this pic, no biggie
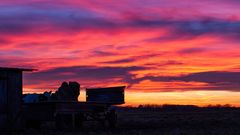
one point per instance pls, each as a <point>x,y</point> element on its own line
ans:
<point>70,114</point>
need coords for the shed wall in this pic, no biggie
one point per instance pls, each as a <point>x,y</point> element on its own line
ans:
<point>10,99</point>
<point>3,103</point>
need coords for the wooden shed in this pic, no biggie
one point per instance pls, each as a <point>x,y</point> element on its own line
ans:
<point>11,98</point>
<point>108,95</point>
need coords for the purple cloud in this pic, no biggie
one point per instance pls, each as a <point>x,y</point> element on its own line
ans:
<point>192,50</point>
<point>216,80</point>
<point>81,73</point>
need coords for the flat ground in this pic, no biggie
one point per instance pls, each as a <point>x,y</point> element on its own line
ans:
<point>159,122</point>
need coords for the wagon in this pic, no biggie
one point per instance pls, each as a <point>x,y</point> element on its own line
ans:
<point>67,115</point>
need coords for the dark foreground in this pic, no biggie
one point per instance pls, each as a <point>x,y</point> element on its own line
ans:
<point>159,121</point>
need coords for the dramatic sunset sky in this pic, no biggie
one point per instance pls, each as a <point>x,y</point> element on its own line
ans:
<point>165,51</point>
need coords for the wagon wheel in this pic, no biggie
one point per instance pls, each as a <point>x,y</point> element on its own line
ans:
<point>112,118</point>
<point>63,121</point>
<point>58,121</point>
<point>79,118</point>
<point>35,124</point>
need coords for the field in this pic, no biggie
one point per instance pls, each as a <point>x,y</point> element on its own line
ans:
<point>160,121</point>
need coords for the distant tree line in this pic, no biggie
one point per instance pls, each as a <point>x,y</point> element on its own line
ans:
<point>176,108</point>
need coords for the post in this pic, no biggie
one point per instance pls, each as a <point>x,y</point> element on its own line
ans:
<point>73,120</point>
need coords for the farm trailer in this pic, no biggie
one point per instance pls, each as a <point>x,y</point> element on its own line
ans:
<point>69,115</point>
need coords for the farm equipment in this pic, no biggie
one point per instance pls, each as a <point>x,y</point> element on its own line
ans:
<point>62,107</point>
<point>69,114</point>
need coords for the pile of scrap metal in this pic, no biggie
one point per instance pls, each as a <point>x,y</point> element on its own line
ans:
<point>66,92</point>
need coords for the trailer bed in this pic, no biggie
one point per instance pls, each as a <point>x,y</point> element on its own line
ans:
<point>65,112</point>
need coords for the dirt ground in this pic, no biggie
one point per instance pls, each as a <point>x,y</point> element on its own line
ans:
<point>157,122</point>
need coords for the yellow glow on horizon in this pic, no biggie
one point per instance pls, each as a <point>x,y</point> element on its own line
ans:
<point>199,98</point>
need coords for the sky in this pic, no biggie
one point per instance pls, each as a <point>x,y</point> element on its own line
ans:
<point>164,51</point>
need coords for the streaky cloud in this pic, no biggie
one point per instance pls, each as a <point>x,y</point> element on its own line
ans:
<point>82,73</point>
<point>216,80</point>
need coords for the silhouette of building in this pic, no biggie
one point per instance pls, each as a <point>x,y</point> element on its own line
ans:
<point>109,95</point>
<point>11,98</point>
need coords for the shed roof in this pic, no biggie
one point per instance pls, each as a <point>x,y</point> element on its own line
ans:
<point>15,69</point>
